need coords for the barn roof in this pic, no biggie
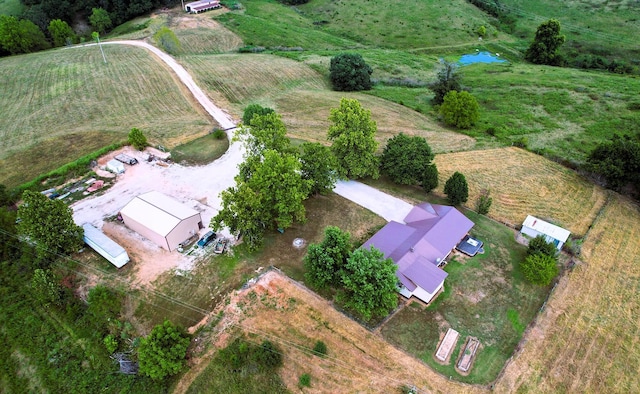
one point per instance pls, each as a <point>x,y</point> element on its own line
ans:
<point>546,228</point>
<point>157,211</point>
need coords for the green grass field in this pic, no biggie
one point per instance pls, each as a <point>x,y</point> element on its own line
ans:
<point>603,27</point>
<point>485,296</point>
<point>71,97</point>
<point>200,151</point>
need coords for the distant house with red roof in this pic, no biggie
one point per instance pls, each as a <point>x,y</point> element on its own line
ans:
<point>420,245</point>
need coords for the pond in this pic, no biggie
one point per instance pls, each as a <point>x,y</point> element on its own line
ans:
<point>480,57</point>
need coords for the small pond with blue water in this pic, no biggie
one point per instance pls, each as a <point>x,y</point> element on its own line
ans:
<point>480,57</point>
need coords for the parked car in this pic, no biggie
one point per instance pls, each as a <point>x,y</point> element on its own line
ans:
<point>221,245</point>
<point>207,239</point>
<point>126,159</point>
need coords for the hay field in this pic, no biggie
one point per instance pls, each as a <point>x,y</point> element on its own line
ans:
<point>304,98</point>
<point>295,318</point>
<point>587,340</point>
<point>71,91</point>
<point>522,183</point>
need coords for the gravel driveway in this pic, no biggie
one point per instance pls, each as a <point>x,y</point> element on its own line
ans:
<point>389,207</point>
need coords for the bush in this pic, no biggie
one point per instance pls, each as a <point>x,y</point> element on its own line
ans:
<point>349,72</point>
<point>166,39</point>
<point>137,139</point>
<point>430,178</point>
<point>460,109</point>
<point>162,353</point>
<point>540,269</point>
<point>268,356</point>
<point>219,134</point>
<point>111,343</point>
<point>484,203</point>
<point>252,110</point>
<point>320,349</point>
<point>304,380</point>
<point>539,245</point>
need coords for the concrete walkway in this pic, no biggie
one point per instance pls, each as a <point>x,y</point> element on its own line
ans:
<point>380,203</point>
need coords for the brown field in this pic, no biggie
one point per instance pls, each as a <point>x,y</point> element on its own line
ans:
<point>311,121</point>
<point>522,183</point>
<point>199,34</point>
<point>294,317</point>
<point>70,94</point>
<point>587,339</point>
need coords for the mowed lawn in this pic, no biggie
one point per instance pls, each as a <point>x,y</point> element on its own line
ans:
<point>71,94</point>
<point>587,340</point>
<point>522,183</point>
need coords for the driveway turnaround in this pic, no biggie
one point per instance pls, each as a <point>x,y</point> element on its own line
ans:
<point>389,207</point>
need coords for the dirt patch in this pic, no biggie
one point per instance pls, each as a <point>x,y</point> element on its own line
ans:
<point>148,260</point>
<point>290,315</point>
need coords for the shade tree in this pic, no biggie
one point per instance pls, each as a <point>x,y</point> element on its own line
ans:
<point>349,72</point>
<point>406,160</point>
<point>447,79</point>
<point>162,353</point>
<point>324,261</point>
<point>545,45</point>
<point>369,283</point>
<point>49,224</point>
<point>460,109</point>
<point>352,132</point>
<point>318,165</point>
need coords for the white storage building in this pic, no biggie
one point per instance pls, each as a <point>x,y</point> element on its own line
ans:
<point>534,227</point>
<point>161,219</point>
<point>105,246</point>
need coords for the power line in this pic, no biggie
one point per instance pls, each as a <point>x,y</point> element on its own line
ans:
<point>262,334</point>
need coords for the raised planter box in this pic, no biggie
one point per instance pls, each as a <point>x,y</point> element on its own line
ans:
<point>447,345</point>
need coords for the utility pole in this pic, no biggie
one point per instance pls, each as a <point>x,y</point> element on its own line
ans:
<point>96,36</point>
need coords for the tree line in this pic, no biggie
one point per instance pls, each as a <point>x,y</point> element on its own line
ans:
<point>47,23</point>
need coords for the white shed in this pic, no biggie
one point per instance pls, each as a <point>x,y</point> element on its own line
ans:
<point>115,166</point>
<point>105,246</point>
<point>161,219</point>
<point>534,227</point>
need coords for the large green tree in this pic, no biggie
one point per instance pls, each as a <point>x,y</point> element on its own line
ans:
<point>369,282</point>
<point>617,160</point>
<point>349,72</point>
<point>319,166</point>
<point>539,245</point>
<point>545,46</point>
<point>100,20</point>
<point>266,131</point>
<point>456,189</point>
<point>162,353</point>
<point>448,78</point>
<point>49,224</point>
<point>460,109</point>
<point>270,196</point>
<point>61,33</point>
<point>406,159</point>
<point>353,134</point>
<point>20,36</point>
<point>45,288</point>
<point>324,261</point>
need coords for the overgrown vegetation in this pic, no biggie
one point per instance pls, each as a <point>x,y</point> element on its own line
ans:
<point>349,72</point>
<point>242,367</point>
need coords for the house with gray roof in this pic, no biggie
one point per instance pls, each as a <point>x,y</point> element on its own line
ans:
<point>420,245</point>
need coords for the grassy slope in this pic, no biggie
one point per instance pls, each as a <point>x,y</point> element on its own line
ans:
<point>605,27</point>
<point>50,96</point>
